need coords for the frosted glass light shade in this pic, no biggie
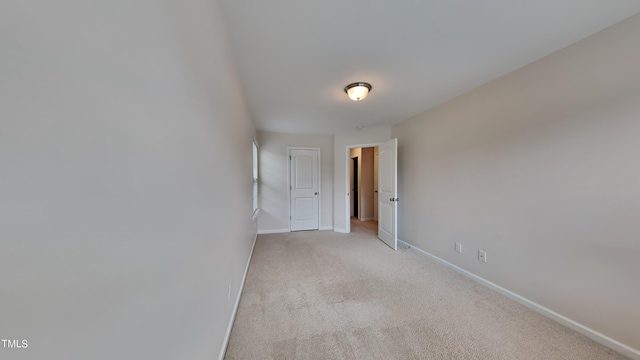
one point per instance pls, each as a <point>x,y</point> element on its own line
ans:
<point>358,91</point>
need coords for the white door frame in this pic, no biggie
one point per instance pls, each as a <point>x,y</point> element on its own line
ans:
<point>289,148</point>
<point>347,198</point>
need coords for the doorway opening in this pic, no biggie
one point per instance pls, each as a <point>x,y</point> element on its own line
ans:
<point>363,181</point>
<point>385,190</point>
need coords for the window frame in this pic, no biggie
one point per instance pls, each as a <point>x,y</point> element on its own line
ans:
<point>256,178</point>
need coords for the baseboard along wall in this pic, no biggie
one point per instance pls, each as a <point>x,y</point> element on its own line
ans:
<point>235,307</point>
<point>282,231</point>
<point>574,325</point>
<point>273,231</point>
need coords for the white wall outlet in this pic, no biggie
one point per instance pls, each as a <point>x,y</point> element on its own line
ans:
<point>482,256</point>
<point>229,296</point>
<point>458,247</point>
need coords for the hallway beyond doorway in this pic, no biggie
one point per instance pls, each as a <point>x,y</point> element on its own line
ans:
<point>364,227</point>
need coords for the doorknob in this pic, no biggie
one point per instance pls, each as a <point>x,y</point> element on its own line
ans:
<point>394,199</point>
<point>316,193</point>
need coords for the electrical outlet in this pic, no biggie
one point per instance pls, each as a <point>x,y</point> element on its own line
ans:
<point>229,296</point>
<point>482,256</point>
<point>458,247</point>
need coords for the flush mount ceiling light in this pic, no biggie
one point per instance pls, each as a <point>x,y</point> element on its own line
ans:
<point>358,91</point>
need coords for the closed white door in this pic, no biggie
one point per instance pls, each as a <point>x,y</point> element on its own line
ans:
<point>304,189</point>
<point>387,193</point>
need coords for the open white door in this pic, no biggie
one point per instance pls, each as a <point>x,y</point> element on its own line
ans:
<point>387,193</point>
<point>304,189</point>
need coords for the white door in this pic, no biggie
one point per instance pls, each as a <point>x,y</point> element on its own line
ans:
<point>304,189</point>
<point>387,193</point>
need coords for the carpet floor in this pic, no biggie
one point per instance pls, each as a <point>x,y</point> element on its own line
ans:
<point>324,295</point>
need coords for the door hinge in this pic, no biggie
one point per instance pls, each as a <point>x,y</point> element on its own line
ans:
<point>289,217</point>
<point>290,187</point>
<point>289,157</point>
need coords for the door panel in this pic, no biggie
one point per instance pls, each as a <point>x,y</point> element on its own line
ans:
<point>387,193</point>
<point>386,218</point>
<point>304,189</point>
<point>304,172</point>
<point>304,207</point>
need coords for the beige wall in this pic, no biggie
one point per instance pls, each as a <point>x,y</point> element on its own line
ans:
<point>366,184</point>
<point>365,136</point>
<point>365,170</point>
<point>274,193</point>
<point>126,162</point>
<point>540,169</point>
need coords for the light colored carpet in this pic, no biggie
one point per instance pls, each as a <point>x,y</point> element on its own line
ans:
<point>323,295</point>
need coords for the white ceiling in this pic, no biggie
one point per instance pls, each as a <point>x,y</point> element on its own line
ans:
<point>295,57</point>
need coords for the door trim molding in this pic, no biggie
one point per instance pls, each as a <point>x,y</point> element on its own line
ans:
<point>289,148</point>
<point>347,182</point>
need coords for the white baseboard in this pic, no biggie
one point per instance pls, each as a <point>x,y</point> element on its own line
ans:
<point>235,307</point>
<point>574,325</point>
<point>273,231</point>
<point>367,219</point>
<point>326,228</point>
<point>342,231</point>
